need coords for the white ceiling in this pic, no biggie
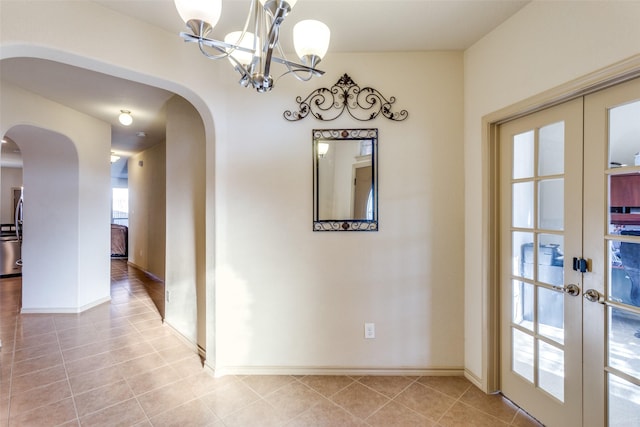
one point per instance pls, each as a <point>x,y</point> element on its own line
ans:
<point>356,26</point>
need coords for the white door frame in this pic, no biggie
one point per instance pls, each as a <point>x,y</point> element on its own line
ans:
<point>601,79</point>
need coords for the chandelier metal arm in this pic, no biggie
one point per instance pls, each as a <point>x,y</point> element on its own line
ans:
<point>222,46</point>
<point>295,67</point>
<point>216,44</point>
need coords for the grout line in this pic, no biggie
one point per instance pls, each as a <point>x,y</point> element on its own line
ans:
<point>66,373</point>
<point>13,353</point>
<point>135,396</point>
<point>356,381</point>
<point>391,399</point>
<point>457,400</point>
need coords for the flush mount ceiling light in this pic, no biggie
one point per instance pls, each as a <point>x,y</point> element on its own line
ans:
<point>125,117</point>
<point>251,53</point>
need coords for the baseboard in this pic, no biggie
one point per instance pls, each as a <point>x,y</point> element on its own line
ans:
<point>209,368</point>
<point>65,310</point>
<point>186,341</point>
<point>474,379</point>
<point>137,267</point>
<point>353,371</point>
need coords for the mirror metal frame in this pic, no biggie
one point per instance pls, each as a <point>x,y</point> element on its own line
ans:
<point>345,224</point>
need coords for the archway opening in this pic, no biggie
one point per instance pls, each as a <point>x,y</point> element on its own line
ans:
<point>49,229</point>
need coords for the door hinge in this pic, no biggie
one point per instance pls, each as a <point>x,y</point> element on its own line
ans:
<point>580,264</point>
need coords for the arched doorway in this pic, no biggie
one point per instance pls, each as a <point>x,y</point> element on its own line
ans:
<point>51,218</point>
<point>186,301</point>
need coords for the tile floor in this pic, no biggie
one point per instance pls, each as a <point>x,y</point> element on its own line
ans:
<point>117,365</point>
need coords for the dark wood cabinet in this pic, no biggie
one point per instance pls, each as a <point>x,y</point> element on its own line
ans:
<point>625,199</point>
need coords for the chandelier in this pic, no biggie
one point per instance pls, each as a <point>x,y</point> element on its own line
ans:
<point>252,52</point>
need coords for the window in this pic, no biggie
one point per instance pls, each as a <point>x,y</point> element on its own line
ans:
<point>120,206</point>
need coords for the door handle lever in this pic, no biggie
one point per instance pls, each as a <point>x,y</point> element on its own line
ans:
<point>594,296</point>
<point>572,289</point>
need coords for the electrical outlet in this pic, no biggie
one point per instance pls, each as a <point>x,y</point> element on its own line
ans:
<point>369,330</point>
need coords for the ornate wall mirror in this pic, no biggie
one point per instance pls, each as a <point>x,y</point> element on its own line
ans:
<point>345,179</point>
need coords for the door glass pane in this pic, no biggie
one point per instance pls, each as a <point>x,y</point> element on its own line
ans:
<point>624,341</point>
<point>551,149</point>
<point>120,206</point>
<point>523,204</point>
<point>623,262</point>
<point>624,271</point>
<point>523,304</point>
<point>551,204</point>
<point>624,134</point>
<point>522,354</point>
<point>551,314</point>
<point>550,259</point>
<point>624,403</point>
<point>551,370</point>
<point>522,259</point>
<point>624,202</point>
<point>523,155</point>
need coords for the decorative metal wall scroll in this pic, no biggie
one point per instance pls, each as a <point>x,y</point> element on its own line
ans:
<point>328,104</point>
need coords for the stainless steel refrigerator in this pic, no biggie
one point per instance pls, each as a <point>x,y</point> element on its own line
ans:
<point>11,243</point>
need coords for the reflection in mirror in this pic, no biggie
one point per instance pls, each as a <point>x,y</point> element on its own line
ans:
<point>345,180</point>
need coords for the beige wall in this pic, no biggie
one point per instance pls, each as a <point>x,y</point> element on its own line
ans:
<point>288,297</point>
<point>544,45</point>
<point>185,211</point>
<point>147,210</point>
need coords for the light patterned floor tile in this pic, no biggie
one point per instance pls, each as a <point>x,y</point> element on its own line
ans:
<point>52,414</point>
<point>396,414</point>
<point>191,414</point>
<point>461,415</point>
<point>327,385</point>
<point>117,364</point>
<point>390,386</point>
<point>125,413</point>
<point>425,401</point>
<point>359,400</point>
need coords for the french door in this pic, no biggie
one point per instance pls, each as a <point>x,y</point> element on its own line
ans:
<point>570,260</point>
<point>612,235</point>
<point>541,227</point>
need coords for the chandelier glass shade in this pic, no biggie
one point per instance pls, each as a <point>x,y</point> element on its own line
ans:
<point>252,53</point>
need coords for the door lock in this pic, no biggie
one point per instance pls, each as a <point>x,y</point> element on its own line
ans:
<point>580,264</point>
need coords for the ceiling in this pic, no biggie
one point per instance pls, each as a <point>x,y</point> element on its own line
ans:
<point>356,26</point>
